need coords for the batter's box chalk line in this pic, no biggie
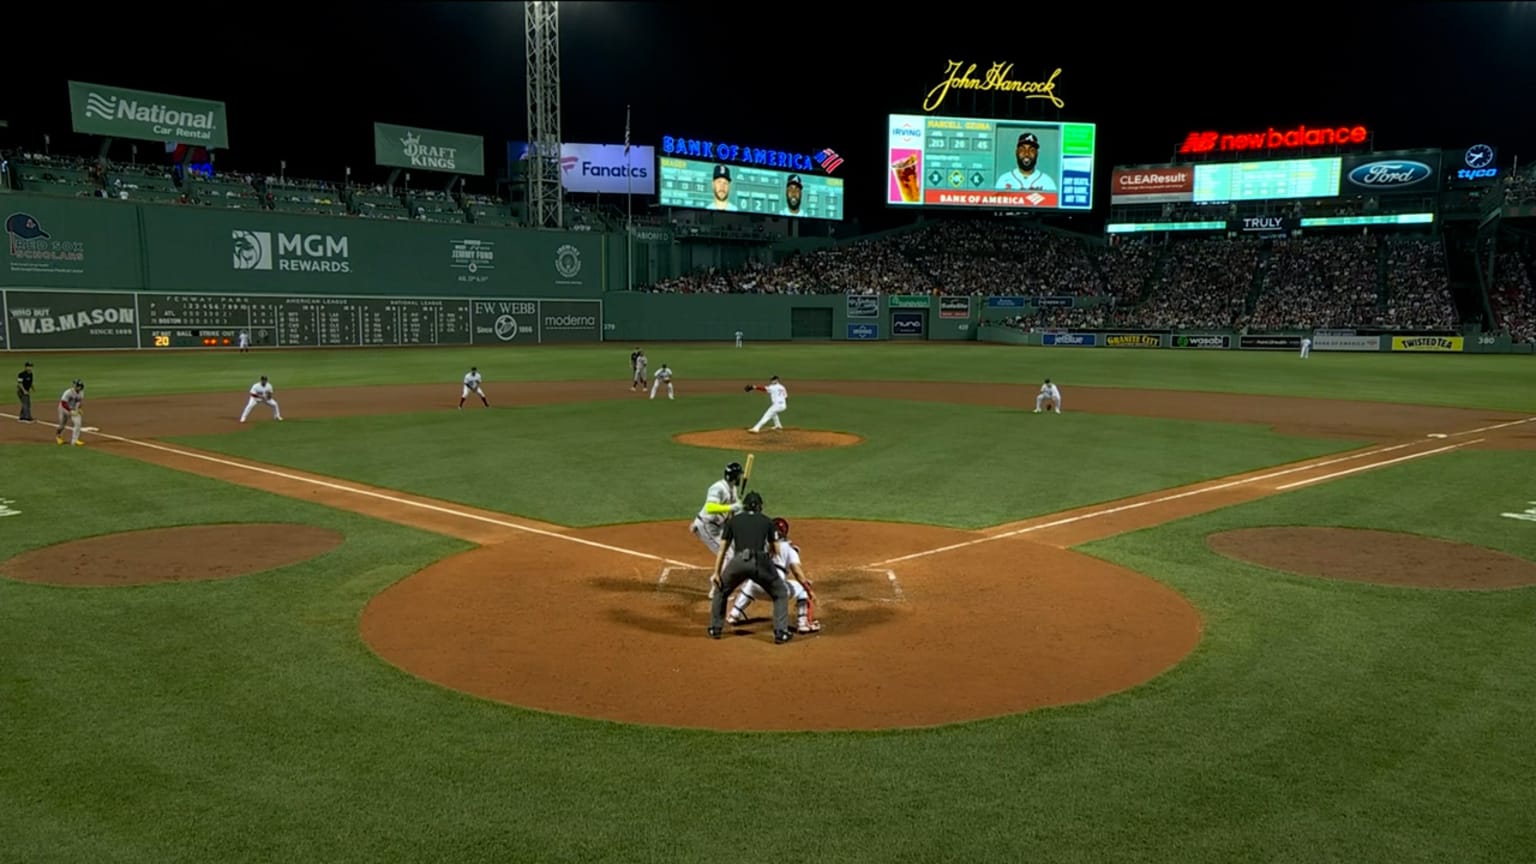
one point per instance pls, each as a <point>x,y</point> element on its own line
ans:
<point>671,573</point>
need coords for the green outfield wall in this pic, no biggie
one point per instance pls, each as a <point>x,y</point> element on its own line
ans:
<point>645,317</point>
<point>1470,341</point>
<point>92,244</point>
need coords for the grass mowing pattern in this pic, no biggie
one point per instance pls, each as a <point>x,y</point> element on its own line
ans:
<point>1488,381</point>
<point>243,720</point>
<point>594,463</point>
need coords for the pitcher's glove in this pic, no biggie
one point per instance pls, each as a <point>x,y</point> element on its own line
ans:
<point>747,388</point>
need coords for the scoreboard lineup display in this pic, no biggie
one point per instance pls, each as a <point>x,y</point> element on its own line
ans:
<point>700,185</point>
<point>989,164</point>
<point>193,320</point>
<point>1267,181</point>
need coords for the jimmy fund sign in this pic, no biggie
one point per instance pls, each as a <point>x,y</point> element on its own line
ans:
<point>428,149</point>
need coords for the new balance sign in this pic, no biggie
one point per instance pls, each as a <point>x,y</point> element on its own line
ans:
<point>117,112</point>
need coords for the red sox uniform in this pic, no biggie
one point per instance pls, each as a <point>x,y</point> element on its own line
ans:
<point>69,411</point>
<point>261,394</point>
<point>786,561</point>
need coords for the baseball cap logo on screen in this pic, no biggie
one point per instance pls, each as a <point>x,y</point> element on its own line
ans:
<point>1387,174</point>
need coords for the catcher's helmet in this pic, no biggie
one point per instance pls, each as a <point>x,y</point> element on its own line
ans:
<point>733,472</point>
<point>781,525</point>
<point>753,502</point>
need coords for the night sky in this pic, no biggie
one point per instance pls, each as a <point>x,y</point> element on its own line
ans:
<point>304,83</point>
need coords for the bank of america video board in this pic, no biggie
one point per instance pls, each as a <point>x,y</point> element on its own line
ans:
<point>989,164</point>
<point>734,188</point>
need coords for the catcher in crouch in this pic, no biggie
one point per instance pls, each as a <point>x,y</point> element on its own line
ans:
<point>786,562</point>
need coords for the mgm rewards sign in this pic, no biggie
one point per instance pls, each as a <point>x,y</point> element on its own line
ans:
<point>994,79</point>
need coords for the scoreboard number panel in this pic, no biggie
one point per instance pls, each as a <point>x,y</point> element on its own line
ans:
<point>217,320</point>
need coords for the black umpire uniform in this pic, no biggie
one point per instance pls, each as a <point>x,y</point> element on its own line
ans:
<point>750,536</point>
<point>24,392</point>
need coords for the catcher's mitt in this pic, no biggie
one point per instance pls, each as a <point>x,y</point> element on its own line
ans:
<point>747,388</point>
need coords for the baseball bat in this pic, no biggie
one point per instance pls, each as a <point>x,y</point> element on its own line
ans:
<point>746,473</point>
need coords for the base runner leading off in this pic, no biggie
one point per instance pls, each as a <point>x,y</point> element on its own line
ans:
<point>69,412</point>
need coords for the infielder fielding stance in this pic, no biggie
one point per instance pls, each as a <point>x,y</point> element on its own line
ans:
<point>662,376</point>
<point>786,562</point>
<point>1048,393</point>
<point>752,541</point>
<point>261,394</point>
<point>472,385</point>
<point>69,412</point>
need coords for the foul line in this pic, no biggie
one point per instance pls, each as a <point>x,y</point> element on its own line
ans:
<point>1493,427</point>
<point>1348,471</point>
<point>420,505</point>
<point>1110,511</point>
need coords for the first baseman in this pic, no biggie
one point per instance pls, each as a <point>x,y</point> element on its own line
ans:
<point>1051,392</point>
<point>261,394</point>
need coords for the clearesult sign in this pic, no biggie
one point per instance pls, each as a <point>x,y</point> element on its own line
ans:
<point>1154,185</point>
<point>1202,340</point>
<point>1133,340</point>
<point>908,301</point>
<point>428,149</point>
<point>118,112</point>
<point>1428,343</point>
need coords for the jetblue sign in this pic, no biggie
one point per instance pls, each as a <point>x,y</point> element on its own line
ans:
<point>721,151</point>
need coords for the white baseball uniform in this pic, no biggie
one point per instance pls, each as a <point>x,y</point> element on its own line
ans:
<point>69,403</point>
<point>1037,180</point>
<point>472,385</point>
<point>738,338</point>
<point>785,561</point>
<point>640,364</point>
<point>1051,392</point>
<point>663,375</point>
<point>1306,346</point>
<point>778,400</point>
<point>261,394</point>
<point>708,526</point>
<point>245,341</point>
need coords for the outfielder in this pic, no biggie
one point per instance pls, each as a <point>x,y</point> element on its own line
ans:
<point>69,411</point>
<point>472,385</point>
<point>778,400</point>
<point>663,376</point>
<point>1051,392</point>
<point>738,338</point>
<point>245,342</point>
<point>1306,347</point>
<point>637,364</point>
<point>786,562</point>
<point>261,394</point>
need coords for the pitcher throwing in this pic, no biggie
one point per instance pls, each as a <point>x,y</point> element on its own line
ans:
<point>778,400</point>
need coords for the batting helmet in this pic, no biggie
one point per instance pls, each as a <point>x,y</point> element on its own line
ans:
<point>733,472</point>
<point>781,525</point>
<point>753,502</point>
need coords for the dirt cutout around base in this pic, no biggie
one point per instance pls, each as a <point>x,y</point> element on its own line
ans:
<point>186,554</point>
<point>768,440</point>
<point>981,631</point>
<point>1381,557</point>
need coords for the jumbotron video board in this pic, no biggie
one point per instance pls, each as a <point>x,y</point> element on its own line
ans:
<point>733,188</point>
<point>983,164</point>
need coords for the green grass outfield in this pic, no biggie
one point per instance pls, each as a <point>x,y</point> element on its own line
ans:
<point>1490,381</point>
<point>244,720</point>
<point>613,461</point>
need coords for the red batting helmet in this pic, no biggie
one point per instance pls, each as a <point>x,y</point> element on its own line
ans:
<point>782,526</point>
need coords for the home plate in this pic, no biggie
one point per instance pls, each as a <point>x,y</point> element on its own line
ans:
<point>1437,435</point>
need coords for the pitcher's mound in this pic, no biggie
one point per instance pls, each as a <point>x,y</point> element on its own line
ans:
<point>1384,557</point>
<point>768,440</point>
<point>186,554</point>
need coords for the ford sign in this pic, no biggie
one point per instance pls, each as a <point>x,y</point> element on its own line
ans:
<point>1393,174</point>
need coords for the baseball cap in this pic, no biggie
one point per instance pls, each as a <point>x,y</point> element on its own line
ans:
<point>24,226</point>
<point>722,171</point>
<point>1028,138</point>
<point>794,179</point>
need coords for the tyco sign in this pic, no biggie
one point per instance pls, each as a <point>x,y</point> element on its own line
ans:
<point>1427,343</point>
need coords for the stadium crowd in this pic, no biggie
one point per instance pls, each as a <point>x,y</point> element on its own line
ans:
<point>1513,295</point>
<point>1418,289</point>
<point>1322,281</point>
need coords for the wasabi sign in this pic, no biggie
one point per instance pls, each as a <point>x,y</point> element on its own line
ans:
<point>428,149</point>
<point>117,112</point>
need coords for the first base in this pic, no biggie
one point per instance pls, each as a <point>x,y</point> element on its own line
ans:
<point>1437,435</point>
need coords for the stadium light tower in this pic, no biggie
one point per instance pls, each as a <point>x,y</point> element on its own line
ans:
<point>546,198</point>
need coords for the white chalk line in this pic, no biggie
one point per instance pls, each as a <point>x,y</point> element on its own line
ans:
<point>1493,427</point>
<point>1357,468</point>
<point>1094,514</point>
<point>420,505</point>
